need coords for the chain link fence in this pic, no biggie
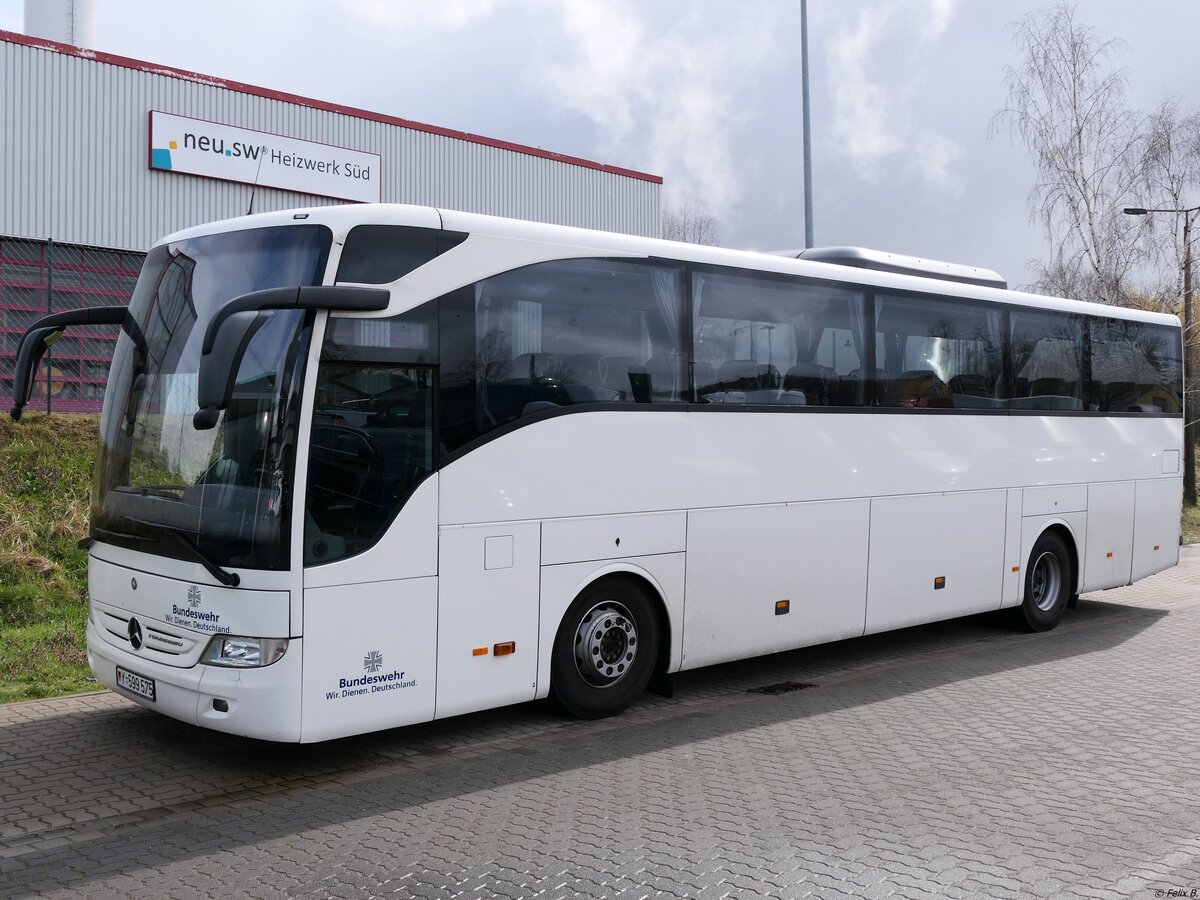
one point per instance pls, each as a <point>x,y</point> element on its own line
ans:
<point>41,277</point>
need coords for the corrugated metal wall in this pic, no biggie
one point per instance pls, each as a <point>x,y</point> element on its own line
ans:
<point>73,159</point>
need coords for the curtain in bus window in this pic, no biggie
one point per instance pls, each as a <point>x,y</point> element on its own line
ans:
<point>829,370</point>
<point>1048,364</point>
<point>672,382</point>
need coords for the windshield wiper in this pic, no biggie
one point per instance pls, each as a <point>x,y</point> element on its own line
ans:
<point>97,531</point>
<point>229,579</point>
<point>169,491</point>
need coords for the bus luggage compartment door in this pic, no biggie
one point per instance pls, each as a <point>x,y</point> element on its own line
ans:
<point>488,600</point>
<point>1108,556</point>
<point>935,556</point>
<point>743,562</point>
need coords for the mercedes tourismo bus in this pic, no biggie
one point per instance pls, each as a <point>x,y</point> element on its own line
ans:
<point>366,466</point>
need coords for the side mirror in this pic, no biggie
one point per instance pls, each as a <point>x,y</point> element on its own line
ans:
<point>48,329</point>
<point>218,366</point>
<point>225,344</point>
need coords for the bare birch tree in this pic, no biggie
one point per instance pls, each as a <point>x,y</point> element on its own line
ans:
<point>1170,179</point>
<point>692,221</point>
<point>1066,101</point>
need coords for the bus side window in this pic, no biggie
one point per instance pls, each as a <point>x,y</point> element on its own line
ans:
<point>372,434</point>
<point>760,338</point>
<point>1135,367</point>
<point>936,352</point>
<point>1048,360</point>
<point>559,335</point>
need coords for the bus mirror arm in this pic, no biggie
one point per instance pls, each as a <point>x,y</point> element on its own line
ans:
<point>225,343</point>
<point>48,329</point>
<point>336,298</point>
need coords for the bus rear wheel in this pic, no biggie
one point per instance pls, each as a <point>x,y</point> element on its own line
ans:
<point>605,650</point>
<point>1049,582</point>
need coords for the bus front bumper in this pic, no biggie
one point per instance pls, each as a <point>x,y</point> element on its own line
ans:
<point>260,703</point>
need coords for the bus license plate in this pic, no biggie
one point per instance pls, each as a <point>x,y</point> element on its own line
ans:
<point>135,683</point>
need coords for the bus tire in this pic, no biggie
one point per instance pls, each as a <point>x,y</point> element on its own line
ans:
<point>1049,583</point>
<point>605,650</point>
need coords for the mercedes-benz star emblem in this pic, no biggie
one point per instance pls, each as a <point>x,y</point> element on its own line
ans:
<point>135,634</point>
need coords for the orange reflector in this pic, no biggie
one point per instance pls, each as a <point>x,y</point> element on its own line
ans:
<point>504,649</point>
<point>479,651</point>
<point>1016,568</point>
<point>1108,555</point>
<point>939,582</point>
<point>1156,546</point>
<point>783,607</point>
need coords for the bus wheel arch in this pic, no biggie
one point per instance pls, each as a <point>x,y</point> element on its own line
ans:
<point>1051,577</point>
<point>612,640</point>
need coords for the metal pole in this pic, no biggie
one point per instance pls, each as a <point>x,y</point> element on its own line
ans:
<point>49,309</point>
<point>808,204</point>
<point>1189,414</point>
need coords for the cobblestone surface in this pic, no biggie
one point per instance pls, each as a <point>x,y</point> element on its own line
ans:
<point>961,759</point>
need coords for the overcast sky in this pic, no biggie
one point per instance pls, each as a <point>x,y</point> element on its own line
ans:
<point>704,93</point>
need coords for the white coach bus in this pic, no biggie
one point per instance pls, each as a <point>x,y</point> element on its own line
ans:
<point>366,466</point>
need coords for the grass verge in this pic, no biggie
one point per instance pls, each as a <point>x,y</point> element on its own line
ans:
<point>1191,524</point>
<point>45,480</point>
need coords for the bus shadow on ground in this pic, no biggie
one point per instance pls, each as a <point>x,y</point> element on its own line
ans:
<point>217,792</point>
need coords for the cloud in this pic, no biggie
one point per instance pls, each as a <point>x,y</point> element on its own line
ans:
<point>876,116</point>
<point>861,106</point>
<point>446,15</point>
<point>658,86</point>
<point>670,93</point>
<point>940,14</point>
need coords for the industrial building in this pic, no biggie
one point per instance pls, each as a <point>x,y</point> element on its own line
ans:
<point>101,155</point>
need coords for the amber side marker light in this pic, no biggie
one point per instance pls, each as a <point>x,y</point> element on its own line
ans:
<point>1108,555</point>
<point>504,649</point>
<point>783,607</point>
<point>479,651</point>
<point>939,582</point>
<point>1016,568</point>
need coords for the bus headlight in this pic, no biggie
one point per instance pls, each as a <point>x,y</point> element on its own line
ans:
<point>243,652</point>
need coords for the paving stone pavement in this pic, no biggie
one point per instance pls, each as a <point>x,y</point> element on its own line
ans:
<point>963,759</point>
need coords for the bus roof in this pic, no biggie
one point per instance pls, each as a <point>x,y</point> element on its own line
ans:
<point>340,219</point>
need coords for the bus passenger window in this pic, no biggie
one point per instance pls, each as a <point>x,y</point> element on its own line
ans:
<point>775,340</point>
<point>935,352</point>
<point>559,335</point>
<point>1135,367</point>
<point>1048,362</point>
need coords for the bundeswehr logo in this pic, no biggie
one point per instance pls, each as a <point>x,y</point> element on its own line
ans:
<point>194,595</point>
<point>373,661</point>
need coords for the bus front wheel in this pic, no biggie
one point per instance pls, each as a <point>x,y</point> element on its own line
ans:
<point>605,650</point>
<point>1049,583</point>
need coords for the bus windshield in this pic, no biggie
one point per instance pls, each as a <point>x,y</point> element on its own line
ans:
<point>221,494</point>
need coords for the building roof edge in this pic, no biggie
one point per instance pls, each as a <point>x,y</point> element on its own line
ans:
<point>13,37</point>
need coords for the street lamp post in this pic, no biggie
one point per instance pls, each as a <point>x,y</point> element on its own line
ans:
<point>1189,431</point>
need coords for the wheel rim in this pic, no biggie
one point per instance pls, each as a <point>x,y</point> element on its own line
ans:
<point>606,644</point>
<point>1046,584</point>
